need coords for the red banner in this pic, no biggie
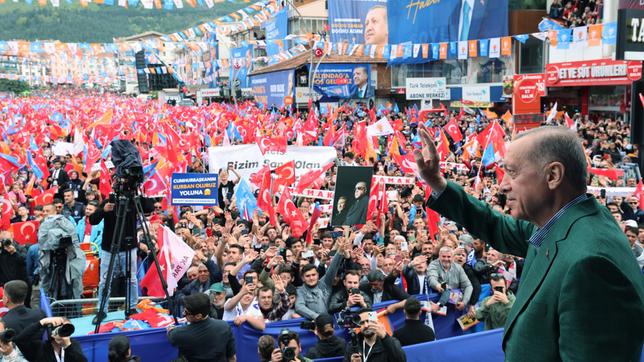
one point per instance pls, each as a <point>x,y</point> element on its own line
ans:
<point>527,93</point>
<point>593,73</point>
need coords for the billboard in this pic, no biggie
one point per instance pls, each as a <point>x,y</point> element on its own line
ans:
<point>527,92</point>
<point>276,29</point>
<point>593,73</point>
<point>241,61</point>
<point>272,89</point>
<point>344,81</point>
<point>447,20</point>
<point>427,88</point>
<point>358,21</point>
<point>630,34</point>
<point>194,189</point>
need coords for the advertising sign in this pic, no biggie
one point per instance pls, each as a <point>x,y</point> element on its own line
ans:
<point>476,93</point>
<point>446,20</point>
<point>271,89</point>
<point>302,95</point>
<point>247,159</point>
<point>343,81</point>
<point>527,92</point>
<point>276,29</point>
<point>427,88</point>
<point>358,21</point>
<point>241,61</point>
<point>592,73</point>
<point>630,34</point>
<point>194,189</point>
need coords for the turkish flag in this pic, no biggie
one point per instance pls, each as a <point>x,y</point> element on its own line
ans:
<point>25,232</point>
<point>433,219</point>
<point>155,186</point>
<point>104,186</point>
<point>292,214</point>
<point>274,144</point>
<point>639,193</point>
<point>314,219</point>
<point>265,199</point>
<point>374,196</point>
<point>285,175</point>
<point>7,214</point>
<point>613,174</point>
<point>46,197</point>
<point>452,129</point>
<point>407,163</point>
<point>257,177</point>
<point>569,122</point>
<point>310,177</point>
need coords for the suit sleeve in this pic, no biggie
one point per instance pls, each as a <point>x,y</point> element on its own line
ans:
<point>597,299</point>
<point>504,233</point>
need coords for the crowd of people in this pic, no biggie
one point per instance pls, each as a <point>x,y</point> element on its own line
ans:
<point>577,13</point>
<point>252,270</point>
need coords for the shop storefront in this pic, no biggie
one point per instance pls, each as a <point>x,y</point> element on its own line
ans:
<point>597,88</point>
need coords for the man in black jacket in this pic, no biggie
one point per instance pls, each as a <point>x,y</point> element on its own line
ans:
<point>374,344</point>
<point>129,243</point>
<point>329,344</point>
<point>20,317</point>
<point>380,288</point>
<point>414,331</point>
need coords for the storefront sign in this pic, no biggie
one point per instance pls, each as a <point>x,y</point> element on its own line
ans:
<point>427,88</point>
<point>527,92</point>
<point>476,93</point>
<point>459,104</point>
<point>592,73</point>
<point>630,34</point>
<point>302,95</point>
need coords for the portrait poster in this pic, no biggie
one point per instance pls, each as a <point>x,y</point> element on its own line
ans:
<point>351,198</point>
<point>359,21</point>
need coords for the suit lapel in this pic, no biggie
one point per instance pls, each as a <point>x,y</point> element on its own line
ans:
<point>539,261</point>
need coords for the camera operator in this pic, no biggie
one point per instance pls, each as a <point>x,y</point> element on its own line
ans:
<point>62,262</point>
<point>494,310</point>
<point>289,348</point>
<point>350,296</point>
<point>329,344</point>
<point>9,352</point>
<point>107,213</point>
<point>60,347</point>
<point>373,344</point>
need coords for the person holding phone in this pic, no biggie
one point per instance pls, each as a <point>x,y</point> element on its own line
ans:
<point>494,310</point>
<point>374,344</point>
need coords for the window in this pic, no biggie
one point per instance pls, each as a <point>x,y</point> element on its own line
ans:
<point>531,56</point>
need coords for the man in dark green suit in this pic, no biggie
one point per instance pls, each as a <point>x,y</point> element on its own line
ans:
<point>581,295</point>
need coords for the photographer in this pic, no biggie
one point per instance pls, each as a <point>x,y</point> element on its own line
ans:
<point>494,309</point>
<point>373,343</point>
<point>9,352</point>
<point>20,317</point>
<point>350,296</point>
<point>60,347</point>
<point>62,262</point>
<point>329,344</point>
<point>107,213</point>
<point>289,348</point>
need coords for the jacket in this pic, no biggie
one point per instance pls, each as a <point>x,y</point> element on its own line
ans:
<point>583,265</point>
<point>313,301</point>
<point>333,346</point>
<point>22,319</point>
<point>455,278</point>
<point>390,291</point>
<point>386,349</point>
<point>339,300</point>
<point>496,314</point>
<point>95,236</point>
<point>73,353</point>
<point>413,332</point>
<point>110,223</point>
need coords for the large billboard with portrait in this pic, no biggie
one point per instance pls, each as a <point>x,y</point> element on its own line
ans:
<point>271,89</point>
<point>241,61</point>
<point>344,81</point>
<point>358,21</point>
<point>447,20</point>
<point>276,30</point>
<point>351,199</point>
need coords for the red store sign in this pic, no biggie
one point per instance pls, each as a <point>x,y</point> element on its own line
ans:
<point>593,72</point>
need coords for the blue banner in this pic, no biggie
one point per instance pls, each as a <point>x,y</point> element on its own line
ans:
<point>276,30</point>
<point>194,189</point>
<point>447,20</point>
<point>344,81</point>
<point>358,21</point>
<point>241,61</point>
<point>271,89</point>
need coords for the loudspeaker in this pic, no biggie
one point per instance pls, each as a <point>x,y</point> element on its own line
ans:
<point>141,77</point>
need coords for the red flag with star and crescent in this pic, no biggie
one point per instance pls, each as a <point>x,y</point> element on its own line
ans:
<point>265,199</point>
<point>25,232</point>
<point>46,197</point>
<point>285,175</point>
<point>453,131</point>
<point>292,214</point>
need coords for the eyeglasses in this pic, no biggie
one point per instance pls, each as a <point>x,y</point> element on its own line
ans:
<point>633,202</point>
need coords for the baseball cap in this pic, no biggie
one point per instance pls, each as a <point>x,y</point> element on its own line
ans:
<point>375,275</point>
<point>217,287</point>
<point>322,320</point>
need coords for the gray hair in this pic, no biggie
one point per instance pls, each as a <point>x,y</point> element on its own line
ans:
<point>445,250</point>
<point>561,145</point>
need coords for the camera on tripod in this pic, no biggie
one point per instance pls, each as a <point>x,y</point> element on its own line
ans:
<point>129,175</point>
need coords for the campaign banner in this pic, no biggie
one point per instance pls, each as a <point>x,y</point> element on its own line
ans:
<point>194,189</point>
<point>630,34</point>
<point>593,73</point>
<point>344,81</point>
<point>527,92</point>
<point>273,89</point>
<point>276,29</point>
<point>241,61</point>
<point>447,20</point>
<point>427,88</point>
<point>247,159</point>
<point>358,21</point>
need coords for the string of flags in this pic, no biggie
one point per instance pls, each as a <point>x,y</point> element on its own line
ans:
<point>140,4</point>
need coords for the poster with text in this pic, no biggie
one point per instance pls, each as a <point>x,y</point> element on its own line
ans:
<point>351,198</point>
<point>241,61</point>
<point>276,30</point>
<point>271,89</point>
<point>344,81</point>
<point>359,21</point>
<point>447,20</point>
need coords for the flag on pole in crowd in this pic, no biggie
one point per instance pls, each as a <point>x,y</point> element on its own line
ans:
<point>285,175</point>
<point>265,198</point>
<point>570,123</point>
<point>25,232</point>
<point>639,193</point>
<point>314,219</point>
<point>310,177</point>
<point>552,114</point>
<point>453,130</point>
<point>380,128</point>
<point>291,214</point>
<point>246,202</point>
<point>175,257</point>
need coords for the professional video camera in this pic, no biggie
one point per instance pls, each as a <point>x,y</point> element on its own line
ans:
<point>129,168</point>
<point>63,330</point>
<point>288,353</point>
<point>348,319</point>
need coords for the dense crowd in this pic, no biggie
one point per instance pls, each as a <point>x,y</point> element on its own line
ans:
<point>249,270</point>
<point>577,13</point>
